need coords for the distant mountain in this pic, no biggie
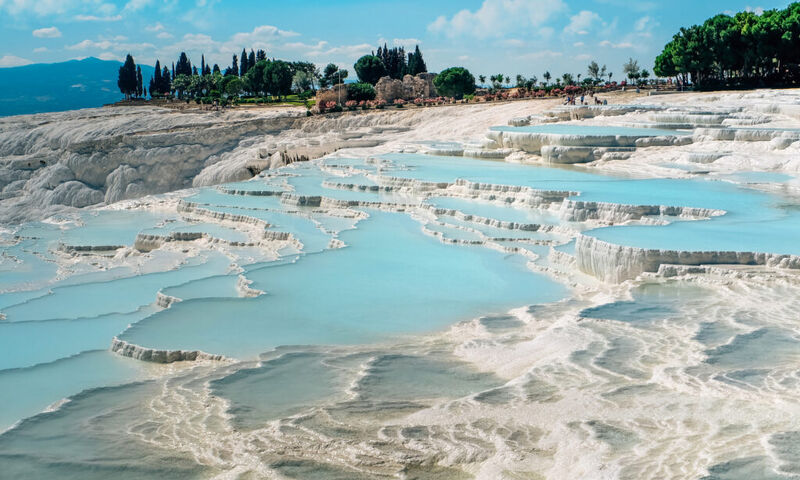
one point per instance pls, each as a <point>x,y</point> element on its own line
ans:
<point>54,87</point>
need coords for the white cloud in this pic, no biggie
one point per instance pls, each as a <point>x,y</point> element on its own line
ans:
<point>157,27</point>
<point>645,24</point>
<point>513,42</point>
<point>109,56</point>
<point>116,44</point>
<point>540,55</point>
<point>261,34</point>
<point>164,35</point>
<point>95,18</point>
<point>608,43</point>
<point>497,17</point>
<point>56,7</point>
<point>582,23</point>
<point>578,44</point>
<point>13,61</point>
<point>134,5</point>
<point>757,10</point>
<point>40,50</point>
<point>87,44</point>
<point>583,57</point>
<point>406,42</point>
<point>48,32</point>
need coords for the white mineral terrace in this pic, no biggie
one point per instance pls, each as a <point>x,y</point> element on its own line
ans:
<point>499,291</point>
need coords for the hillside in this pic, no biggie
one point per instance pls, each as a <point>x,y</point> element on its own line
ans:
<point>55,87</point>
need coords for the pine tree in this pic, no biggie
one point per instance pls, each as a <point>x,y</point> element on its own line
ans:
<point>194,71</point>
<point>207,71</point>
<point>139,86</point>
<point>216,69</point>
<point>245,64</point>
<point>127,81</point>
<point>261,55</point>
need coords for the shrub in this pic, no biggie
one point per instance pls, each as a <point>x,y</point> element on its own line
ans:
<point>360,91</point>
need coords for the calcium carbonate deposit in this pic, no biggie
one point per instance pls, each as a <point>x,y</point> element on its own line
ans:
<point>509,291</point>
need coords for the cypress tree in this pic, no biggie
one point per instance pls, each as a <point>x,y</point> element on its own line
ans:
<point>139,87</point>
<point>216,69</point>
<point>194,71</point>
<point>261,55</point>
<point>234,65</point>
<point>251,59</point>
<point>184,66</point>
<point>156,81</point>
<point>166,84</point>
<point>127,81</point>
<point>203,64</point>
<point>245,65</point>
<point>415,62</point>
<point>173,70</point>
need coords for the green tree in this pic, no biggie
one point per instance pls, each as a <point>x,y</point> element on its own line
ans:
<point>482,79</point>
<point>567,79</point>
<point>244,65</point>
<point>333,75</point>
<point>370,69</point>
<point>594,71</point>
<point>254,79</point>
<point>394,61</point>
<point>277,77</point>
<point>455,82</point>
<point>181,84</point>
<point>184,66</point>
<point>360,91</point>
<point>232,86</point>
<point>127,80</point>
<point>139,82</point>
<point>631,69</point>
<point>547,78</point>
<point>416,64</point>
<point>644,74</point>
<point>311,71</point>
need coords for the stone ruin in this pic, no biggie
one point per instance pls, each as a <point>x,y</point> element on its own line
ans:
<point>387,88</point>
<point>409,88</point>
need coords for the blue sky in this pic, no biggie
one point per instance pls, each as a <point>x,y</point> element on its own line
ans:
<point>486,36</point>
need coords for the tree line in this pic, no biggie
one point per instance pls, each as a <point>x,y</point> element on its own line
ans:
<point>254,74</point>
<point>251,73</point>
<point>743,50</point>
<point>389,62</point>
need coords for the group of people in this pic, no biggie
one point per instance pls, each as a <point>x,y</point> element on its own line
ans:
<point>570,100</point>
